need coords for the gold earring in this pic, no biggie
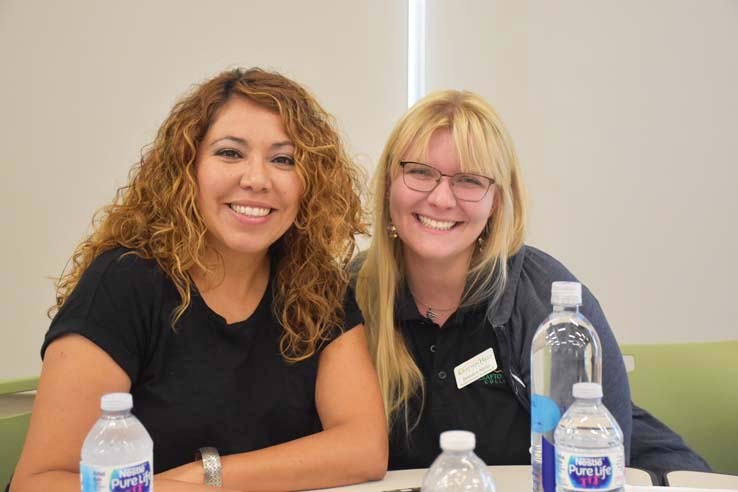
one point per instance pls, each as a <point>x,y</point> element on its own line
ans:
<point>392,231</point>
<point>483,236</point>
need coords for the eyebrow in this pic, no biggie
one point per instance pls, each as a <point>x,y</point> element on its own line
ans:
<point>238,140</point>
<point>279,145</point>
<point>245,143</point>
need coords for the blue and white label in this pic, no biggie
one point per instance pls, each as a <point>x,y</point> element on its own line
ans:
<point>132,477</point>
<point>597,470</point>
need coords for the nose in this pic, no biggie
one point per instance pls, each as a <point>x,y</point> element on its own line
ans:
<point>255,175</point>
<point>442,195</point>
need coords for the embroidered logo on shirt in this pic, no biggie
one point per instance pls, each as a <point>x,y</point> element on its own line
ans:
<point>495,378</point>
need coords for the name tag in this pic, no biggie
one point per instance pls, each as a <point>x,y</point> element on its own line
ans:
<point>476,367</point>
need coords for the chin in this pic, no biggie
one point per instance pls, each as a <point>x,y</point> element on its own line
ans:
<point>248,249</point>
<point>436,251</point>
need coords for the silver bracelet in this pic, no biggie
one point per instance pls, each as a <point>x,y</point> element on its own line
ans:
<point>211,466</point>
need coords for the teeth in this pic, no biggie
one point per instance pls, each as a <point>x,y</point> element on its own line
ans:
<point>250,211</point>
<point>440,225</point>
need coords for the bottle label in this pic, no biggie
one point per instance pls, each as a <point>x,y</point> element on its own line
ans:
<point>131,477</point>
<point>598,470</point>
<point>545,413</point>
<point>548,465</point>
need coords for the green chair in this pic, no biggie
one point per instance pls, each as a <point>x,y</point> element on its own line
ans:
<point>692,388</point>
<point>15,415</point>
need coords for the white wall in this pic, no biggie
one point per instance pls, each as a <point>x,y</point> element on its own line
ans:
<point>623,113</point>
<point>85,85</point>
<point>624,116</point>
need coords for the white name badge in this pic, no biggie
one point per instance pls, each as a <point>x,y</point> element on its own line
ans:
<point>476,367</point>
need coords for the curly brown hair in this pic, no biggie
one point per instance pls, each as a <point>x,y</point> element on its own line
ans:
<point>156,216</point>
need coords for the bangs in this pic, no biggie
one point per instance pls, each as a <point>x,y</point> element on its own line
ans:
<point>476,150</point>
<point>474,138</point>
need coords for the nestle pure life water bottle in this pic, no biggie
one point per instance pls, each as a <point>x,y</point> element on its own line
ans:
<point>589,445</point>
<point>457,468</point>
<point>565,350</point>
<point>117,455</point>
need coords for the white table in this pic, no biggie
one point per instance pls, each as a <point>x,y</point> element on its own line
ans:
<point>507,479</point>
<point>705,480</point>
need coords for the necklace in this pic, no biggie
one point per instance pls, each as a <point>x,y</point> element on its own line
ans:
<point>430,313</point>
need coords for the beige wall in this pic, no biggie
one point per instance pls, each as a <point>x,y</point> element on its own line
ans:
<point>624,116</point>
<point>86,84</point>
<point>623,113</point>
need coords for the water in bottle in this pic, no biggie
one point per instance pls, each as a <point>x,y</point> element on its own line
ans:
<point>565,350</point>
<point>589,445</point>
<point>117,455</point>
<point>457,468</point>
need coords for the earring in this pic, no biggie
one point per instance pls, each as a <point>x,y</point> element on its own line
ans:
<point>392,231</point>
<point>483,237</point>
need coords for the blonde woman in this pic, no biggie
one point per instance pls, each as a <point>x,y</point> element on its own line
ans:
<point>214,290</point>
<point>448,277</point>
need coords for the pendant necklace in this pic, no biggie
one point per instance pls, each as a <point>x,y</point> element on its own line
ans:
<point>430,312</point>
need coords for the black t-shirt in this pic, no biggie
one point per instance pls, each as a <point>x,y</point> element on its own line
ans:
<point>486,407</point>
<point>207,383</point>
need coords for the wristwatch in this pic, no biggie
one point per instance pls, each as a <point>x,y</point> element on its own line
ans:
<point>211,466</point>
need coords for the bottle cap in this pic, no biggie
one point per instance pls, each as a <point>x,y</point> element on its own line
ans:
<point>116,402</point>
<point>587,391</point>
<point>458,440</point>
<point>566,294</point>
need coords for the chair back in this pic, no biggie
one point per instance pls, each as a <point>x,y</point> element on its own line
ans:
<point>692,388</point>
<point>15,415</point>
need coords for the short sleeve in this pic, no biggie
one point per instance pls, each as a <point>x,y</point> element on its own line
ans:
<point>113,306</point>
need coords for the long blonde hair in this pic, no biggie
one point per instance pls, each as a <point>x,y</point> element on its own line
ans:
<point>156,214</point>
<point>484,146</point>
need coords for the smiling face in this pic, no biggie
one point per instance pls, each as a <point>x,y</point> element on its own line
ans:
<point>248,187</point>
<point>436,225</point>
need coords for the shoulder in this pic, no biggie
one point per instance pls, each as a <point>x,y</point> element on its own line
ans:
<point>123,268</point>
<point>117,278</point>
<point>533,294</point>
<point>540,267</point>
<point>123,261</point>
<point>528,290</point>
<point>530,276</point>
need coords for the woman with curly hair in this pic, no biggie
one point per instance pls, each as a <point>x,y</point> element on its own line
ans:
<point>214,290</point>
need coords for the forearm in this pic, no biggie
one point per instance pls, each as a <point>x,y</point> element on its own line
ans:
<point>65,481</point>
<point>338,456</point>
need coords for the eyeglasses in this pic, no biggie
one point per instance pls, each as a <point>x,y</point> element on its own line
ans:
<point>467,187</point>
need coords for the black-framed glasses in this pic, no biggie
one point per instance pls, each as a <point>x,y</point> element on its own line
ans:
<point>467,187</point>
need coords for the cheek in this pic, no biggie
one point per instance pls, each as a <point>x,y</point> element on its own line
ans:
<point>291,191</point>
<point>481,213</point>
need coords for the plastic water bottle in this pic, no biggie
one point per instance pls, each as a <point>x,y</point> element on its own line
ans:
<point>565,350</point>
<point>117,455</point>
<point>457,468</point>
<point>589,445</point>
